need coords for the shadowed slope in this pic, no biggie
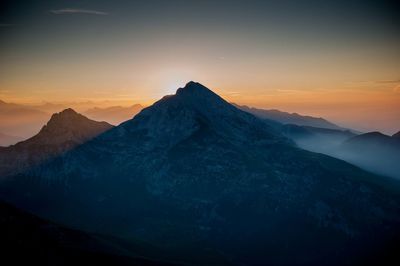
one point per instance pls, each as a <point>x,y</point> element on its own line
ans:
<point>27,239</point>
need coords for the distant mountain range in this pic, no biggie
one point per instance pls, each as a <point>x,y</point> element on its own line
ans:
<point>114,114</point>
<point>6,140</point>
<point>64,131</point>
<point>289,118</point>
<point>25,121</point>
<point>20,120</point>
<point>210,183</point>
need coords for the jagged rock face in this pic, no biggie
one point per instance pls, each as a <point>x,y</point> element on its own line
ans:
<point>194,174</point>
<point>63,132</point>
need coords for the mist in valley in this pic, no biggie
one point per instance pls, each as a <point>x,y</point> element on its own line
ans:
<point>380,155</point>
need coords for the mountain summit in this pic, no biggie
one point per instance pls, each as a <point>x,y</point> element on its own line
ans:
<point>196,110</point>
<point>64,131</point>
<point>194,175</point>
<point>195,89</point>
<point>68,126</point>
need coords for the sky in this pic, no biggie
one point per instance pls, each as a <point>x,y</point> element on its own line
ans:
<point>335,59</point>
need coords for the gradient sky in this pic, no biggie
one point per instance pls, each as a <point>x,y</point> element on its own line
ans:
<point>336,59</point>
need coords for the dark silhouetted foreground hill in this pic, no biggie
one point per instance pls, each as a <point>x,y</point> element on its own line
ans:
<point>27,239</point>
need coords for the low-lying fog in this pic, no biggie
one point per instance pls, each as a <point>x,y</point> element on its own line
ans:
<point>380,155</point>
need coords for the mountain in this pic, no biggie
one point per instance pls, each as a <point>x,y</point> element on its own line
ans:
<point>27,239</point>
<point>64,131</point>
<point>6,139</point>
<point>289,118</point>
<point>194,175</point>
<point>114,114</point>
<point>373,151</point>
<point>49,107</point>
<point>20,120</point>
<point>315,139</point>
<point>397,135</point>
<point>371,138</point>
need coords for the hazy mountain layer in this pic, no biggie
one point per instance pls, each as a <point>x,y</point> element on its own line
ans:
<point>115,114</point>
<point>289,118</point>
<point>20,120</point>
<point>6,140</point>
<point>316,139</point>
<point>373,151</point>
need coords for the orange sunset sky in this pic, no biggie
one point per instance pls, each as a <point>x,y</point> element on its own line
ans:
<point>340,60</point>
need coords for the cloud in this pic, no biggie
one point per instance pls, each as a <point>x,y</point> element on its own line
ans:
<point>78,11</point>
<point>231,93</point>
<point>388,81</point>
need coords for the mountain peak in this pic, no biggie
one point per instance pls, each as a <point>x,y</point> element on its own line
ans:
<point>195,109</point>
<point>64,131</point>
<point>65,117</point>
<point>70,125</point>
<point>192,83</point>
<point>194,87</point>
<point>69,111</point>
